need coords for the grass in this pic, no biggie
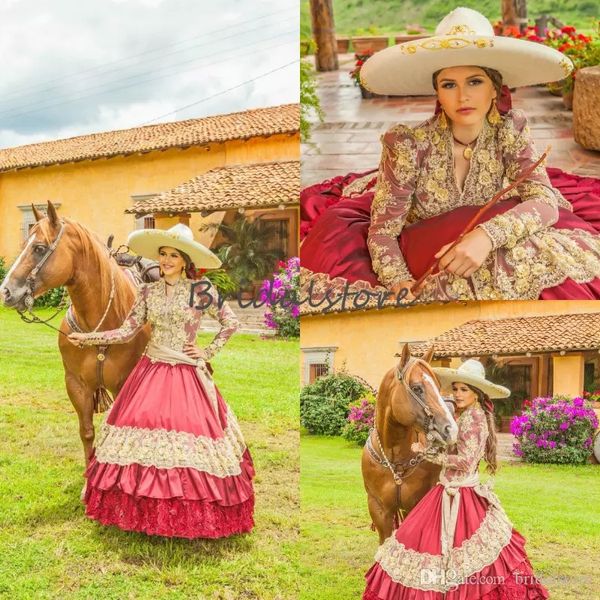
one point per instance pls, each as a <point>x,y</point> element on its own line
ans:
<point>554,507</point>
<point>359,17</point>
<point>50,549</point>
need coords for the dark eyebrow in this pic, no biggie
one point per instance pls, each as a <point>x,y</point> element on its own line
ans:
<point>454,80</point>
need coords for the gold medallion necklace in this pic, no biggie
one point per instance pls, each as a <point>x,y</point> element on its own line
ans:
<point>468,151</point>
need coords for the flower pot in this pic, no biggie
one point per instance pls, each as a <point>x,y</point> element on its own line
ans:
<point>400,39</point>
<point>363,45</point>
<point>568,100</point>
<point>343,45</point>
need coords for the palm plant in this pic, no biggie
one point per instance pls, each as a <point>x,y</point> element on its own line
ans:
<point>246,254</point>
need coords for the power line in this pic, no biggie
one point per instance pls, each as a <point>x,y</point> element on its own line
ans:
<point>221,93</point>
<point>11,117</point>
<point>36,86</point>
<point>6,113</point>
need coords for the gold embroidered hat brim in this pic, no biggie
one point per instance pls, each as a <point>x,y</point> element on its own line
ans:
<point>448,376</point>
<point>406,69</point>
<point>146,243</point>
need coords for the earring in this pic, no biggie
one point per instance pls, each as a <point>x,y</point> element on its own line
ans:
<point>494,117</point>
<point>183,273</point>
<point>160,272</point>
<point>443,121</point>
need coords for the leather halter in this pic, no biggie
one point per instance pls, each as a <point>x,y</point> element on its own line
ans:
<point>401,470</point>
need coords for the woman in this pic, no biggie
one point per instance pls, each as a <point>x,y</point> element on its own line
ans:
<point>433,178</point>
<point>170,459</point>
<point>458,543</point>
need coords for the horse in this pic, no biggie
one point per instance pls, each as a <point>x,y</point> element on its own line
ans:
<point>408,407</point>
<point>62,252</point>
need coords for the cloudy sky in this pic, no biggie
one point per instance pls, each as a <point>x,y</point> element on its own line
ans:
<point>72,67</point>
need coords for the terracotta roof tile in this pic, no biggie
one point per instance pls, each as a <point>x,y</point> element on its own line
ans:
<point>178,134</point>
<point>519,335</point>
<point>240,186</point>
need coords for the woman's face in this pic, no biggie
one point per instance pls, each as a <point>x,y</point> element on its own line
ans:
<point>464,396</point>
<point>170,261</point>
<point>465,94</point>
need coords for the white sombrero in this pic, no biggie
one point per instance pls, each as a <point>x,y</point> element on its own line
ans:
<point>473,373</point>
<point>146,242</point>
<point>464,37</point>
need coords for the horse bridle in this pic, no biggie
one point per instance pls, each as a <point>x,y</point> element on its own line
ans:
<point>400,470</point>
<point>29,294</point>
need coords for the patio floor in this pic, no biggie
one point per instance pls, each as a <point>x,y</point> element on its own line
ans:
<point>348,139</point>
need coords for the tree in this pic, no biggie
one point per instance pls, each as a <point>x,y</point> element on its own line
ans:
<point>324,33</point>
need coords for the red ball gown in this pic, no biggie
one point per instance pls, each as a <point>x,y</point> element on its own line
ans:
<point>373,230</point>
<point>170,458</point>
<point>457,543</point>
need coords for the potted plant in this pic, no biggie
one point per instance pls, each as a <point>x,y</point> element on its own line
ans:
<point>355,73</point>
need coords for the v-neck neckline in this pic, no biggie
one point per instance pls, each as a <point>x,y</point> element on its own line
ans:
<point>452,167</point>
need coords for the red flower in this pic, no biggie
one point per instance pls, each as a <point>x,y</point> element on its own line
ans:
<point>584,38</point>
<point>535,38</point>
<point>565,46</point>
<point>568,29</point>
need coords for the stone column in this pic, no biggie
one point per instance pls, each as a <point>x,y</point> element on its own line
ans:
<point>586,117</point>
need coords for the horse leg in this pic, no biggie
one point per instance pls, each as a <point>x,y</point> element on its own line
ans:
<point>382,517</point>
<point>81,398</point>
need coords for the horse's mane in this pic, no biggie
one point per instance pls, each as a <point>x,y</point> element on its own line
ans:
<point>92,248</point>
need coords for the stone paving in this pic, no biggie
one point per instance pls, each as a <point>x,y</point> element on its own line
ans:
<point>251,319</point>
<point>348,139</point>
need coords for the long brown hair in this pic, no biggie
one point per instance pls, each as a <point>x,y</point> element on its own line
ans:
<point>491,443</point>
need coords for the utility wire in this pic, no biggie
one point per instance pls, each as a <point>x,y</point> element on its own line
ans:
<point>20,91</point>
<point>8,113</point>
<point>10,117</point>
<point>221,93</point>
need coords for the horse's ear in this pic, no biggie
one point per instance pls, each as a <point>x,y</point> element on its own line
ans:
<point>36,213</point>
<point>52,216</point>
<point>429,355</point>
<point>405,356</point>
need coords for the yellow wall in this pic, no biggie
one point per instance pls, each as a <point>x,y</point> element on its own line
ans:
<point>368,340</point>
<point>567,374</point>
<point>96,193</point>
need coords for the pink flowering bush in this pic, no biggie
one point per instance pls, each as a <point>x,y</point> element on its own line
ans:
<point>359,419</point>
<point>554,430</point>
<point>280,295</point>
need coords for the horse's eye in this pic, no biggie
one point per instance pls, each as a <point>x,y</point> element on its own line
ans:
<point>39,249</point>
<point>416,387</point>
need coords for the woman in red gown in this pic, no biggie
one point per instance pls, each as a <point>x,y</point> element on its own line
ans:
<point>170,458</point>
<point>383,231</point>
<point>458,543</point>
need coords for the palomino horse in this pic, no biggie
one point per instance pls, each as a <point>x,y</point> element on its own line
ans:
<point>409,405</point>
<point>63,252</point>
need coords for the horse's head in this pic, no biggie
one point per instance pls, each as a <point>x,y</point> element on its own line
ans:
<point>46,262</point>
<point>416,400</point>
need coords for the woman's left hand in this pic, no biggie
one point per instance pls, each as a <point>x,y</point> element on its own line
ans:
<point>194,352</point>
<point>467,256</point>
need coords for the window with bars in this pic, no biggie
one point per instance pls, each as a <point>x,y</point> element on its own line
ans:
<point>318,362</point>
<point>317,370</point>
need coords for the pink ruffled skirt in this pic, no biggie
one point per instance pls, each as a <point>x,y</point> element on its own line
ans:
<point>167,463</point>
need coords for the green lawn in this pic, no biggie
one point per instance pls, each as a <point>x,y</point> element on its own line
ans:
<point>49,548</point>
<point>554,507</point>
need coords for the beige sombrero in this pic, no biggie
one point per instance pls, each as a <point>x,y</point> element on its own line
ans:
<point>473,373</point>
<point>464,37</point>
<point>146,242</point>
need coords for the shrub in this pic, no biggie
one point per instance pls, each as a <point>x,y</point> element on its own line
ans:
<point>280,295</point>
<point>324,404</point>
<point>554,430</point>
<point>360,420</point>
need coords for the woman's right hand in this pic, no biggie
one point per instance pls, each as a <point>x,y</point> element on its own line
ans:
<point>76,339</point>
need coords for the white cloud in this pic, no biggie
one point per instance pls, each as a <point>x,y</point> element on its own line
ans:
<point>71,68</point>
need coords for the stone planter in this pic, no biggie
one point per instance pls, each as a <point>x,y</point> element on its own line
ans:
<point>362,45</point>
<point>343,45</point>
<point>586,117</point>
<point>400,39</point>
<point>567,99</point>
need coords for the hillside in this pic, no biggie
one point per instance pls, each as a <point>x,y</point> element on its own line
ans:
<point>355,17</point>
